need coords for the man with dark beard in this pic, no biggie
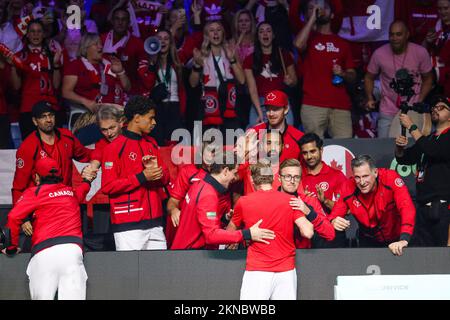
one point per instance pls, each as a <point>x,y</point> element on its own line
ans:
<point>46,141</point>
<point>328,64</point>
<point>431,154</point>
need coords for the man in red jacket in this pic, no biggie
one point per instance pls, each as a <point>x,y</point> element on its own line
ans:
<point>380,202</point>
<point>322,182</point>
<point>57,244</point>
<point>290,178</point>
<point>133,175</point>
<point>46,142</point>
<point>199,226</point>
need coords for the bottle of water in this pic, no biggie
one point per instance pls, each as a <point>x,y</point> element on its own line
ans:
<point>337,80</point>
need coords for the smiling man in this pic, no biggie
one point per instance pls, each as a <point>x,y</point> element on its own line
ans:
<point>381,204</point>
<point>133,175</point>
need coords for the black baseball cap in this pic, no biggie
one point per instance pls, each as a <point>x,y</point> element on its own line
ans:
<point>40,108</point>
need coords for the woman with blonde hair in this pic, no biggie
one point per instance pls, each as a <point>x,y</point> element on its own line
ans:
<point>91,79</point>
<point>244,30</point>
<point>218,70</point>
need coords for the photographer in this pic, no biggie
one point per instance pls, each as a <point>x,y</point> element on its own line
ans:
<point>432,156</point>
<point>398,54</point>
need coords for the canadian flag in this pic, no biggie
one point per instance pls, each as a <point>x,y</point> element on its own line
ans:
<point>340,158</point>
<point>355,27</point>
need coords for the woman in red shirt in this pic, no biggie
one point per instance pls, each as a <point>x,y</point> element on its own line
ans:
<point>41,77</point>
<point>92,79</point>
<point>269,68</point>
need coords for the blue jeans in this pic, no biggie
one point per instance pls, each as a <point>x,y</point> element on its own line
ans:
<point>254,114</point>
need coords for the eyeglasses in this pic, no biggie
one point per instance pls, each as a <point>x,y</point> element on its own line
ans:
<point>289,178</point>
<point>440,107</point>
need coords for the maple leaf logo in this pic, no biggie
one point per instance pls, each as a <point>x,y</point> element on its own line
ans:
<point>335,165</point>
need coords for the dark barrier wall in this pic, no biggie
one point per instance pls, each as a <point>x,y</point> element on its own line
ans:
<point>217,275</point>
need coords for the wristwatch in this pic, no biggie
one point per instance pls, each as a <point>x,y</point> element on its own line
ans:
<point>412,128</point>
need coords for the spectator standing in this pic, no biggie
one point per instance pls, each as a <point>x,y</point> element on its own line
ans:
<point>381,204</point>
<point>133,176</point>
<point>244,30</point>
<point>431,154</point>
<point>398,54</point>
<point>321,182</point>
<point>92,79</point>
<point>119,42</point>
<point>438,45</point>
<point>165,71</point>
<point>327,66</point>
<point>5,133</point>
<point>41,77</point>
<point>217,69</point>
<point>269,68</point>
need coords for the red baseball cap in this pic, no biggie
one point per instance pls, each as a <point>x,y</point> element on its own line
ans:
<point>276,98</point>
<point>47,167</point>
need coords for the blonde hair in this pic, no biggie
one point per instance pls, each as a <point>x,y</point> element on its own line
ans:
<point>86,41</point>
<point>236,24</point>
<point>291,163</point>
<point>206,45</point>
<point>262,173</point>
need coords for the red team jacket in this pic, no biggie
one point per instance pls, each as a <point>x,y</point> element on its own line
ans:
<point>391,215</point>
<point>56,215</point>
<point>66,148</point>
<point>135,202</point>
<point>291,137</point>
<point>200,219</point>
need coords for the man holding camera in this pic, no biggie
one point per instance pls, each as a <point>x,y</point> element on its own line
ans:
<point>398,54</point>
<point>431,154</point>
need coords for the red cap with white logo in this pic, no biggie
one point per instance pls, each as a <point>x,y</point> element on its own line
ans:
<point>276,98</point>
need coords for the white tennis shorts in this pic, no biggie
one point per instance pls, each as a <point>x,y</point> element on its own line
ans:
<point>58,268</point>
<point>262,285</point>
<point>136,240</point>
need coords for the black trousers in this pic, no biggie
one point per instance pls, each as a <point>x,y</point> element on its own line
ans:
<point>340,241</point>
<point>432,224</point>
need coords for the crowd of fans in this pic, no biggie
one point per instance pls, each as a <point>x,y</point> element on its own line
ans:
<point>218,59</point>
<point>283,68</point>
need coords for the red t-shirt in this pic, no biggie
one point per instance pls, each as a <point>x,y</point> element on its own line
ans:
<point>130,55</point>
<point>267,81</point>
<point>88,84</point>
<point>5,74</point>
<point>322,52</point>
<point>277,215</point>
<point>37,83</point>
<point>329,179</point>
<point>419,18</point>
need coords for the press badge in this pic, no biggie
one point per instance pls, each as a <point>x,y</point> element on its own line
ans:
<point>104,89</point>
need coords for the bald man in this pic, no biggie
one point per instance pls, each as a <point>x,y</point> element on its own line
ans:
<point>398,54</point>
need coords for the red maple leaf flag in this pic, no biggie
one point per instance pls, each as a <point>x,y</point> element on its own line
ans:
<point>335,165</point>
